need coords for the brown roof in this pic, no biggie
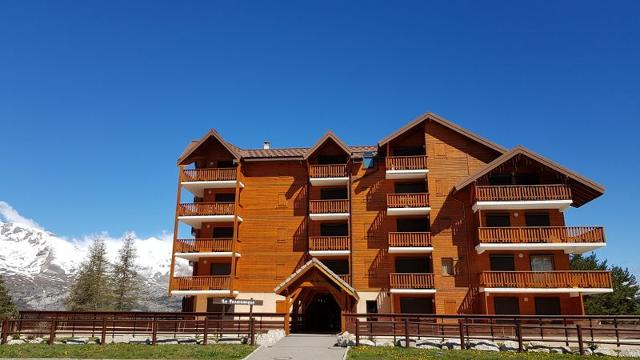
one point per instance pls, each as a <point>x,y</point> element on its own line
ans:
<point>583,189</point>
<point>444,122</point>
<point>212,134</point>
<point>326,137</point>
<point>317,264</point>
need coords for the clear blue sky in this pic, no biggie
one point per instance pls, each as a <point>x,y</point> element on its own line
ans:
<point>98,98</point>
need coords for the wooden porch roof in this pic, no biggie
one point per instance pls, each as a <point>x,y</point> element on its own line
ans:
<point>315,264</point>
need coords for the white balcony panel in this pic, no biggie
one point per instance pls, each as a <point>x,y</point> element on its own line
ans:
<point>203,292</point>
<point>408,211</point>
<point>329,216</point>
<point>412,291</point>
<point>510,290</point>
<point>196,221</point>
<point>197,255</point>
<point>406,174</point>
<point>329,181</point>
<point>410,249</point>
<point>320,253</point>
<point>522,205</point>
<point>197,187</point>
<point>568,248</point>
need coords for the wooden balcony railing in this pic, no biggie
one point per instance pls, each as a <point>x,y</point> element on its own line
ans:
<point>208,174</point>
<point>326,243</point>
<point>406,162</point>
<point>411,280</point>
<point>203,245</point>
<point>328,171</point>
<point>546,279</point>
<point>542,234</point>
<point>522,192</point>
<point>410,239</point>
<point>407,200</point>
<point>328,206</point>
<point>213,282</point>
<point>346,278</point>
<point>202,209</point>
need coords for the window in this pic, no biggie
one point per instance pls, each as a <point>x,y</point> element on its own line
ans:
<point>408,151</point>
<point>502,263</point>
<point>547,306</point>
<point>225,197</point>
<point>506,306</point>
<point>412,224</point>
<point>498,220</point>
<point>447,267</point>
<point>223,232</point>
<point>339,267</point>
<point>221,269</point>
<point>540,219</point>
<point>372,307</point>
<point>334,229</point>
<point>331,159</point>
<point>527,179</point>
<point>413,265</point>
<point>500,179</point>
<point>417,187</point>
<point>333,194</point>
<point>541,263</point>
<point>225,163</point>
<point>416,305</point>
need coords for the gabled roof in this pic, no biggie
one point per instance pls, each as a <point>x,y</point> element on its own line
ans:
<point>446,123</point>
<point>583,189</point>
<point>212,134</point>
<point>328,136</point>
<point>316,264</point>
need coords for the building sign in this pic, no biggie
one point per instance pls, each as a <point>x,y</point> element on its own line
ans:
<point>230,301</point>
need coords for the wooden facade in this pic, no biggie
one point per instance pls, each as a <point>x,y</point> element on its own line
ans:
<point>431,219</point>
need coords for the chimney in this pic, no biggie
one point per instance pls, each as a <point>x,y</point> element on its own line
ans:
<point>266,145</point>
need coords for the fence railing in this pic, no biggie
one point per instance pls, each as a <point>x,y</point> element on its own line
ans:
<point>328,206</point>
<point>410,239</point>
<point>546,279</point>
<point>407,200</point>
<point>411,280</point>
<point>208,174</point>
<point>346,278</point>
<point>203,209</point>
<point>325,243</point>
<point>108,326</point>
<point>542,234</point>
<point>328,171</point>
<point>571,330</point>
<point>203,245</point>
<point>418,162</point>
<point>522,192</point>
<point>210,282</point>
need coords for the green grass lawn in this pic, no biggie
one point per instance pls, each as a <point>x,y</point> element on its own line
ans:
<point>126,351</point>
<point>370,353</point>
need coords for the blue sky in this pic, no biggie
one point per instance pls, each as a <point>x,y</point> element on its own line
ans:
<point>98,98</point>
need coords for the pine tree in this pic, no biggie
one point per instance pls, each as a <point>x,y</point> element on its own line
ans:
<point>92,288</point>
<point>7,307</point>
<point>624,298</point>
<point>125,278</point>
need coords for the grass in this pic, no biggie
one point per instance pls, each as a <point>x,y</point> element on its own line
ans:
<point>396,353</point>
<point>126,351</point>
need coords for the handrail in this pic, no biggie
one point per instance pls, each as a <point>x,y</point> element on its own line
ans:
<point>208,174</point>
<point>546,279</point>
<point>203,209</point>
<point>328,206</point>
<point>410,239</point>
<point>542,234</point>
<point>522,192</point>
<point>328,171</point>
<point>326,243</point>
<point>203,245</point>
<point>407,200</point>
<point>207,282</point>
<point>411,280</point>
<point>417,162</point>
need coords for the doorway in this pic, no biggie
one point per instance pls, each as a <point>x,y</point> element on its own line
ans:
<point>322,315</point>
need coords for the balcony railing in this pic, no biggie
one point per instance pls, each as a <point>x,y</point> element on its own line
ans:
<point>542,234</point>
<point>410,239</point>
<point>406,162</point>
<point>411,280</point>
<point>346,278</point>
<point>407,200</point>
<point>204,209</point>
<point>328,243</point>
<point>522,192</point>
<point>328,171</point>
<point>204,245</point>
<point>546,279</point>
<point>328,206</point>
<point>208,174</point>
<point>213,282</point>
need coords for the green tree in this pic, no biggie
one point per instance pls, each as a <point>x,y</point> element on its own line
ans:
<point>624,298</point>
<point>125,278</point>
<point>91,290</point>
<point>7,307</point>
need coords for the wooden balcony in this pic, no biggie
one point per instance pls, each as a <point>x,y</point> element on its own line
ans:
<point>204,209</point>
<point>201,283</point>
<point>208,174</point>
<point>410,242</point>
<point>534,281</point>
<point>513,197</point>
<point>328,171</point>
<point>408,204</point>
<point>192,248</point>
<point>411,282</point>
<point>573,240</point>
<point>329,209</point>
<point>346,278</point>
<point>406,167</point>
<point>328,244</point>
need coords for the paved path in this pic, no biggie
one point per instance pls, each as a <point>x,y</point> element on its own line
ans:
<point>301,347</point>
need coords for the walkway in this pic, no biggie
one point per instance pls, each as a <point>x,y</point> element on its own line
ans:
<point>301,347</point>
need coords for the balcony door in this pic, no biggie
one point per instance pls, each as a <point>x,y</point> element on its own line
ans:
<point>409,305</point>
<point>333,194</point>
<point>223,232</point>
<point>412,224</point>
<point>547,306</point>
<point>502,263</point>
<point>408,151</point>
<point>225,197</point>
<point>411,187</point>
<point>334,229</point>
<point>537,219</point>
<point>498,220</point>
<point>221,269</point>
<point>420,265</point>
<point>506,305</point>
<point>338,266</point>
<point>542,263</point>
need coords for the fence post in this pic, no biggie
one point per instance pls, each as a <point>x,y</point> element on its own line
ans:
<point>406,332</point>
<point>357,331</point>
<point>252,330</point>
<point>461,327</point>
<point>5,331</point>
<point>206,331</point>
<point>52,332</point>
<point>519,336</point>
<point>154,331</point>
<point>580,344</point>
<point>615,324</point>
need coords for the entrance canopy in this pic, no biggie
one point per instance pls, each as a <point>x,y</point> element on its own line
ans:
<point>315,274</point>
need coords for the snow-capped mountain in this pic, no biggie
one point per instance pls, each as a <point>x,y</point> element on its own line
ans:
<point>39,267</point>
